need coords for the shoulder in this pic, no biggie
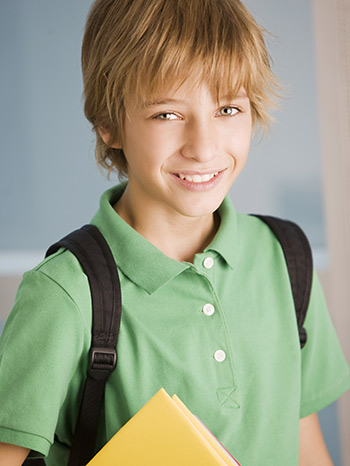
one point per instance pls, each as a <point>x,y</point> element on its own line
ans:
<point>256,239</point>
<point>254,228</point>
<point>64,270</point>
<point>56,290</point>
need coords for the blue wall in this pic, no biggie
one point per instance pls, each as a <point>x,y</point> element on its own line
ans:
<point>49,183</point>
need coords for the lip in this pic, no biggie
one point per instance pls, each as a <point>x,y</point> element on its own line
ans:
<point>197,172</point>
<point>199,187</point>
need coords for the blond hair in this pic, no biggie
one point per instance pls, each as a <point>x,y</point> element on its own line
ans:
<point>131,49</point>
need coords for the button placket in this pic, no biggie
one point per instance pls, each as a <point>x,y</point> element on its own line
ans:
<point>218,344</point>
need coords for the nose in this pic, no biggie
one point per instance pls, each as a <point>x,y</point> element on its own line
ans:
<point>201,141</point>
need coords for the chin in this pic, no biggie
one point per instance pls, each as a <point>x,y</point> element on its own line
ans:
<point>201,209</point>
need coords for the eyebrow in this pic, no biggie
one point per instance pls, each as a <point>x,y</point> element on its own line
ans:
<point>160,102</point>
<point>240,96</point>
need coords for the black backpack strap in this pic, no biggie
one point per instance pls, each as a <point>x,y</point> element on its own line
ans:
<point>96,259</point>
<point>34,462</point>
<point>298,256</point>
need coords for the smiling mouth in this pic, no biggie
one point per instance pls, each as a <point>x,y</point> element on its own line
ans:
<point>197,178</point>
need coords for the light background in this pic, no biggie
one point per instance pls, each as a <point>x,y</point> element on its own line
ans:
<point>49,183</point>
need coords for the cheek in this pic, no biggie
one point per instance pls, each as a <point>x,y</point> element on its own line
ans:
<point>240,145</point>
<point>246,138</point>
<point>144,161</point>
<point>239,150</point>
<point>149,142</point>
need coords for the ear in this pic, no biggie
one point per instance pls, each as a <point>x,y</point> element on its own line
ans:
<point>105,136</point>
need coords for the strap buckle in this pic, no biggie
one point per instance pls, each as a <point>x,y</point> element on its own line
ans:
<point>103,361</point>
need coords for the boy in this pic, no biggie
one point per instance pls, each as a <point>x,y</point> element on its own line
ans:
<point>174,89</point>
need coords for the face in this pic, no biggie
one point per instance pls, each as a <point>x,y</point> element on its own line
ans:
<point>184,150</point>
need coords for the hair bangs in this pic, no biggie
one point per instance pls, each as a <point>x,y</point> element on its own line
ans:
<point>186,50</point>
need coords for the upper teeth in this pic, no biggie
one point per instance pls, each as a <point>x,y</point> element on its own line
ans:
<point>198,178</point>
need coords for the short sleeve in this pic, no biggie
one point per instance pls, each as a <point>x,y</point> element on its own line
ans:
<point>324,371</point>
<point>40,349</point>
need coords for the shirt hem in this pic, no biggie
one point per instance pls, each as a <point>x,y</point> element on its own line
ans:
<point>315,405</point>
<point>39,445</point>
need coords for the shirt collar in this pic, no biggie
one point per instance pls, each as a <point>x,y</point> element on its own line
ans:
<point>225,242</point>
<point>136,257</point>
<point>140,260</point>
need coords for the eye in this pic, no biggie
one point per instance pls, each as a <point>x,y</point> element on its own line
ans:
<point>166,116</point>
<point>228,111</point>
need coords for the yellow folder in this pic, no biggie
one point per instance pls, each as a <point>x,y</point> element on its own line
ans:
<point>163,433</point>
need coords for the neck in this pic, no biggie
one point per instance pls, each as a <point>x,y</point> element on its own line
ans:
<point>179,237</point>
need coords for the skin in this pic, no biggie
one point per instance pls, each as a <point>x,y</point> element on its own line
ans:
<point>312,449</point>
<point>185,132</point>
<point>12,455</point>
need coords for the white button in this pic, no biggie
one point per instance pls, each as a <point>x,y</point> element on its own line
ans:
<point>219,355</point>
<point>208,309</point>
<point>208,262</point>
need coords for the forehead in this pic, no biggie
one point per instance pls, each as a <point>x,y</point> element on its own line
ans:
<point>186,87</point>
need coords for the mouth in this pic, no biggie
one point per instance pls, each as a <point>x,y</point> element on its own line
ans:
<point>197,178</point>
<point>198,182</point>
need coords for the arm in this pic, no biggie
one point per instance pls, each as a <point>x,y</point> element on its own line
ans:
<point>12,455</point>
<point>312,449</point>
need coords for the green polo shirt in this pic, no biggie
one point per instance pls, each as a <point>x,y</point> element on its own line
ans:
<point>220,333</point>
